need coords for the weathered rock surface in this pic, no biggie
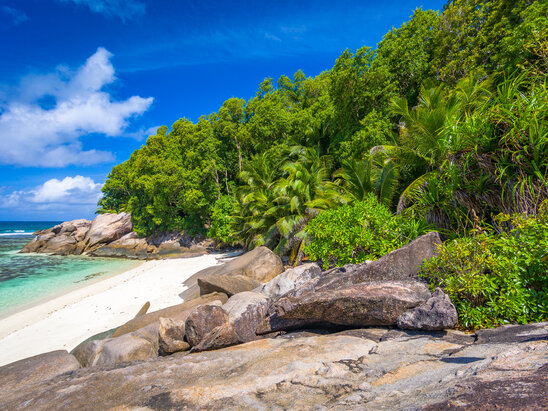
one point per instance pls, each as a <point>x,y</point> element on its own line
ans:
<point>399,265</point>
<point>260,264</point>
<point>128,246</point>
<point>437,313</point>
<point>178,312</point>
<point>106,228</point>
<point>358,305</point>
<point>228,284</point>
<point>202,321</point>
<point>61,239</point>
<point>138,345</point>
<point>171,336</point>
<point>289,280</point>
<point>414,370</point>
<point>245,311</point>
<point>111,235</point>
<point>36,370</point>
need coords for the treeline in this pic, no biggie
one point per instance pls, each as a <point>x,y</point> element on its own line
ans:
<point>442,126</point>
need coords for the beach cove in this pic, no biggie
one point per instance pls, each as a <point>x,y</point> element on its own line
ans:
<point>67,320</point>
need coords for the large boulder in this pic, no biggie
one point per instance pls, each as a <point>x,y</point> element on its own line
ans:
<point>202,321</point>
<point>357,305</point>
<point>138,345</point>
<point>128,246</point>
<point>106,228</point>
<point>179,312</point>
<point>228,284</point>
<point>36,370</point>
<point>246,312</point>
<point>289,280</point>
<point>402,264</point>
<point>171,336</point>
<point>60,239</point>
<point>438,313</point>
<point>260,264</point>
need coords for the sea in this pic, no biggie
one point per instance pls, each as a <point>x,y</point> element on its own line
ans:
<point>27,279</point>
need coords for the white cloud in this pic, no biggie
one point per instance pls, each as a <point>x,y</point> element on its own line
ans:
<point>18,16</point>
<point>54,193</point>
<point>124,9</point>
<point>78,189</point>
<point>42,123</point>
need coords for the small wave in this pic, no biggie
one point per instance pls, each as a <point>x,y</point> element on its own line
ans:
<point>18,233</point>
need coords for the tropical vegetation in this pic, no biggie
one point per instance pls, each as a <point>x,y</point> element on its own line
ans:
<point>443,126</point>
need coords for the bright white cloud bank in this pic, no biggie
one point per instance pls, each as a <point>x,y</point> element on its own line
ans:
<point>33,133</point>
<point>56,194</point>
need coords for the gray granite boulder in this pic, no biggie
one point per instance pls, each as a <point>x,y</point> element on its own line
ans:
<point>399,265</point>
<point>228,284</point>
<point>289,280</point>
<point>106,228</point>
<point>438,313</point>
<point>35,370</point>
<point>260,264</point>
<point>179,311</point>
<point>138,345</point>
<point>357,305</point>
<point>171,336</point>
<point>202,321</point>
<point>246,311</point>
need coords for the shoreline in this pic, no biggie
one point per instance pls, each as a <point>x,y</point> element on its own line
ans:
<point>66,320</point>
<point>83,283</point>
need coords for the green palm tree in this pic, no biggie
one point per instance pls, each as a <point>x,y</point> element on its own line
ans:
<point>357,178</point>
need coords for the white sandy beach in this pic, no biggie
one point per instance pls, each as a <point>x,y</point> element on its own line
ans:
<point>64,322</point>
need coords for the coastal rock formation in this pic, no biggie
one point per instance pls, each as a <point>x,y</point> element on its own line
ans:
<point>260,264</point>
<point>111,235</point>
<point>399,265</point>
<point>171,336</point>
<point>368,369</point>
<point>202,321</point>
<point>438,313</point>
<point>106,228</point>
<point>358,305</point>
<point>35,370</point>
<point>289,280</point>
<point>228,284</point>
<point>138,345</point>
<point>179,312</point>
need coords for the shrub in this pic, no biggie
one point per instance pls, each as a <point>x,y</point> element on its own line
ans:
<point>220,219</point>
<point>364,230</point>
<point>495,279</point>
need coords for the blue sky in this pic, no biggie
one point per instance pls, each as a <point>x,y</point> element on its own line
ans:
<point>83,82</point>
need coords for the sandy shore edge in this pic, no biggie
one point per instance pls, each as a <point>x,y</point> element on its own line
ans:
<point>67,320</point>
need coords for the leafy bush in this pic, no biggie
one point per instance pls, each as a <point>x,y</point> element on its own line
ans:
<point>495,279</point>
<point>220,219</point>
<point>365,230</point>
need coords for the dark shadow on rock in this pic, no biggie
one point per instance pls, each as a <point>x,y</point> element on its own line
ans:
<point>461,360</point>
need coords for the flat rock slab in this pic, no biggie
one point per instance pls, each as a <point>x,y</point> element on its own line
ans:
<point>36,370</point>
<point>335,372</point>
<point>365,304</point>
<point>228,284</point>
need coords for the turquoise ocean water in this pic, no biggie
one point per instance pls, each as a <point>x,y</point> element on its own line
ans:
<point>26,279</point>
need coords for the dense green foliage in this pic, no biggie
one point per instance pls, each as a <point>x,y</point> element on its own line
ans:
<point>495,279</point>
<point>444,123</point>
<point>365,230</point>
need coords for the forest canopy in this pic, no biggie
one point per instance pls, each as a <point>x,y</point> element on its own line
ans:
<point>443,122</point>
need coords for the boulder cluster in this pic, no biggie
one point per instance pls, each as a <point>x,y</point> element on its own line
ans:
<point>251,297</point>
<point>250,335</point>
<point>112,235</point>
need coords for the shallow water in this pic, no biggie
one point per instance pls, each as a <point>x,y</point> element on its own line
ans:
<point>28,278</point>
